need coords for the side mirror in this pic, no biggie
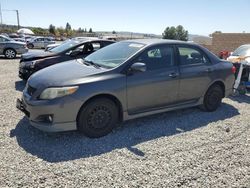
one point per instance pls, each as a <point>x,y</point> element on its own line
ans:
<point>138,67</point>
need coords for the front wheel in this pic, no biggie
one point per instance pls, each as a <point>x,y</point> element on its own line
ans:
<point>10,53</point>
<point>212,99</point>
<point>98,117</point>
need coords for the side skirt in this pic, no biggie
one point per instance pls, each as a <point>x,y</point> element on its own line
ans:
<point>127,116</point>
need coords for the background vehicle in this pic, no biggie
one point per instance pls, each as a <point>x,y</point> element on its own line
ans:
<point>51,46</point>
<point>10,48</point>
<point>39,42</point>
<point>122,81</point>
<point>72,49</point>
<point>242,51</point>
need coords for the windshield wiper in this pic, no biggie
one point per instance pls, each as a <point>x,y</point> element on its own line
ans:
<point>86,62</point>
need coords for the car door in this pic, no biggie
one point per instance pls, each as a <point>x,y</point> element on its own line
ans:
<point>2,44</point>
<point>195,73</point>
<point>46,42</point>
<point>40,43</point>
<point>158,85</point>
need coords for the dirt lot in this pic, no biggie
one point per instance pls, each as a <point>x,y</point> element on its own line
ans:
<point>185,148</point>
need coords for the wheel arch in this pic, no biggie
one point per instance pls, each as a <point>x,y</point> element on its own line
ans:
<point>220,83</point>
<point>107,96</point>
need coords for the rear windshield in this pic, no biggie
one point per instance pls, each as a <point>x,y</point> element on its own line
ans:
<point>242,51</point>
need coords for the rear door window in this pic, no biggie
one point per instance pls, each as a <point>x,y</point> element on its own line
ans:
<point>189,55</point>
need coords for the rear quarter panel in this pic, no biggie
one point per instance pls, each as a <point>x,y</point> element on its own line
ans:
<point>223,72</point>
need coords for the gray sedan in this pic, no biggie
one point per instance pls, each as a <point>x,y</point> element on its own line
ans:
<point>10,48</point>
<point>40,42</point>
<point>122,81</point>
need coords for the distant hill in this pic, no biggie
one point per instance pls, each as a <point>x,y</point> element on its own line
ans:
<point>200,39</point>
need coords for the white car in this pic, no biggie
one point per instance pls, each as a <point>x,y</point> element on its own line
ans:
<point>242,53</point>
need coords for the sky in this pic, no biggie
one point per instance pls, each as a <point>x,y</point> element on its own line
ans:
<point>201,17</point>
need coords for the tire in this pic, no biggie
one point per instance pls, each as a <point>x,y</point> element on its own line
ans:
<point>30,46</point>
<point>97,118</point>
<point>10,53</point>
<point>212,99</point>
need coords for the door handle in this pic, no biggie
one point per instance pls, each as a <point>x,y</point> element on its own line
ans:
<point>173,75</point>
<point>209,70</point>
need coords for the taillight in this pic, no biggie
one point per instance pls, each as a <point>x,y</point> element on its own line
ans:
<point>233,69</point>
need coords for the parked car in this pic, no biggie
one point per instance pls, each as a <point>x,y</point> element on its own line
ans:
<point>122,81</point>
<point>72,49</point>
<point>50,46</point>
<point>39,42</point>
<point>10,48</point>
<point>242,51</point>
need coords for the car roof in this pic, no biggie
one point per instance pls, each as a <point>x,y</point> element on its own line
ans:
<point>158,41</point>
<point>93,39</point>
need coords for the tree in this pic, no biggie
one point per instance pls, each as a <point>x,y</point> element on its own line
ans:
<point>181,33</point>
<point>90,30</point>
<point>176,33</point>
<point>68,27</point>
<point>52,29</point>
<point>169,33</point>
<point>113,32</point>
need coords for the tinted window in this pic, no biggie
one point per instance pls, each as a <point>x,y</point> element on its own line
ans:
<point>189,55</point>
<point>96,46</point>
<point>157,57</point>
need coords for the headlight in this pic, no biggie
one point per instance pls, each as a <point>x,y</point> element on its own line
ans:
<point>32,65</point>
<point>28,65</point>
<point>52,93</point>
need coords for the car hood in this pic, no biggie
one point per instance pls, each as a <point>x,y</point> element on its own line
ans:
<point>36,55</point>
<point>63,74</point>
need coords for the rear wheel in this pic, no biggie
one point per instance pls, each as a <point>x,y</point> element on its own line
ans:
<point>10,53</point>
<point>98,117</point>
<point>213,98</point>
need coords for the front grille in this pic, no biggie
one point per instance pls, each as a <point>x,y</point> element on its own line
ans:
<point>31,90</point>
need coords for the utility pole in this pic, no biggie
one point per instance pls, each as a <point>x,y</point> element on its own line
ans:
<point>1,16</point>
<point>17,16</point>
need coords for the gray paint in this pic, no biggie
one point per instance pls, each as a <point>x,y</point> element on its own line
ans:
<point>140,94</point>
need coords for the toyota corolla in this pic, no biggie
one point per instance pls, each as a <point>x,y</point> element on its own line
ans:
<point>122,81</point>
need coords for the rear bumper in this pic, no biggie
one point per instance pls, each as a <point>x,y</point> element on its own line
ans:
<point>228,92</point>
<point>37,114</point>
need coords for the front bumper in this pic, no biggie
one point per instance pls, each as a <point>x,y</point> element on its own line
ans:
<point>35,112</point>
<point>24,73</point>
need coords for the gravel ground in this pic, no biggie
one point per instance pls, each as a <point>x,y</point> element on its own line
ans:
<point>185,148</point>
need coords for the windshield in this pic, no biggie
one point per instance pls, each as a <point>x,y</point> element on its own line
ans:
<point>5,39</point>
<point>114,54</point>
<point>242,51</point>
<point>64,46</point>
